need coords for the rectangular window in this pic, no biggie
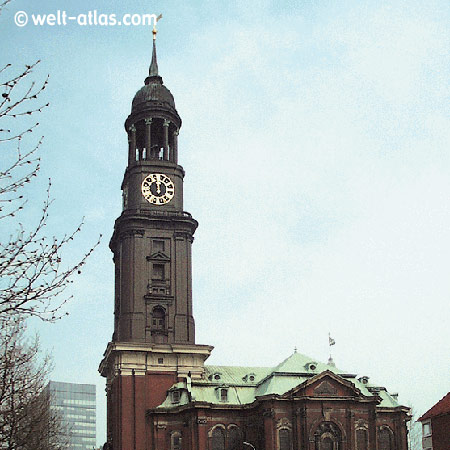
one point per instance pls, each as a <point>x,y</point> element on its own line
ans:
<point>175,396</point>
<point>426,429</point>
<point>224,395</point>
<point>157,246</point>
<point>158,271</point>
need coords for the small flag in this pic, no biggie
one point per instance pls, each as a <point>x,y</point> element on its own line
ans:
<point>331,341</point>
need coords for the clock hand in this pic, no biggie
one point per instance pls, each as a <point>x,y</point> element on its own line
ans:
<point>158,188</point>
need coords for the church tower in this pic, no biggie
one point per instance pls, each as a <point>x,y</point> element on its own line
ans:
<point>153,344</point>
<point>153,236</point>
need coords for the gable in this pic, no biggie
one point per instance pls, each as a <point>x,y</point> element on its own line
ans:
<point>326,384</point>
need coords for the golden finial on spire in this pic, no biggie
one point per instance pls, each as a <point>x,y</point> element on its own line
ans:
<point>154,26</point>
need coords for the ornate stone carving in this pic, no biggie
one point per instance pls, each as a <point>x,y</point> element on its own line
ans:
<point>325,388</point>
<point>284,423</point>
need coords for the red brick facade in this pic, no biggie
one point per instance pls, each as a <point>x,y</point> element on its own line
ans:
<point>324,413</point>
<point>437,419</point>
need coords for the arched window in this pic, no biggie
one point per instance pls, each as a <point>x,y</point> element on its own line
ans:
<point>327,437</point>
<point>284,436</point>
<point>362,439</point>
<point>218,439</point>
<point>158,318</point>
<point>175,441</point>
<point>234,439</point>
<point>385,439</point>
<point>327,443</point>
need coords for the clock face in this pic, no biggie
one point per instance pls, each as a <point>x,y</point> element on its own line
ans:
<point>158,189</point>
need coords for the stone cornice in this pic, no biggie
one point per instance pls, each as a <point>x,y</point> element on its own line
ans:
<point>122,357</point>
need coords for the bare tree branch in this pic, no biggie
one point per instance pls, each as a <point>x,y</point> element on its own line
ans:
<point>32,277</point>
<point>27,421</point>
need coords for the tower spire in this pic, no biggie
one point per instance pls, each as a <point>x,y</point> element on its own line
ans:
<point>153,71</point>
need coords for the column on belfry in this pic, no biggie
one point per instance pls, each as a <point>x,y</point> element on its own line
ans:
<point>131,144</point>
<point>166,140</point>
<point>175,147</point>
<point>148,137</point>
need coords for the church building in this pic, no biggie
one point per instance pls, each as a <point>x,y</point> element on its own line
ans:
<point>160,393</point>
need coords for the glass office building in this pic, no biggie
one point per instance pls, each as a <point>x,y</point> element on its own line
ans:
<point>76,405</point>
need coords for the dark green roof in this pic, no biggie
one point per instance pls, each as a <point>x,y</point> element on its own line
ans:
<point>245,384</point>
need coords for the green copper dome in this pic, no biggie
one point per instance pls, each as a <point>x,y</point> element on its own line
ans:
<point>153,93</point>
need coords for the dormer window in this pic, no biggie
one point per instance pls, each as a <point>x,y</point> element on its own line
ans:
<point>364,379</point>
<point>176,395</point>
<point>250,377</point>
<point>215,376</point>
<point>223,394</point>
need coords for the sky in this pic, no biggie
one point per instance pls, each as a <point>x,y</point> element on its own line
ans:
<point>315,142</point>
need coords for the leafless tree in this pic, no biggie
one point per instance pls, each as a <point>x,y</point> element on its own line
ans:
<point>414,432</point>
<point>31,273</point>
<point>27,421</point>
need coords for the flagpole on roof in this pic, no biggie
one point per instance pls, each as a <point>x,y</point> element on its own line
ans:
<point>331,342</point>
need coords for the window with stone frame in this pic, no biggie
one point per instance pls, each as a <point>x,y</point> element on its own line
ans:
<point>426,429</point>
<point>234,438</point>
<point>158,272</point>
<point>284,438</point>
<point>362,439</point>
<point>157,246</point>
<point>175,441</point>
<point>158,318</point>
<point>328,437</point>
<point>218,439</point>
<point>385,439</point>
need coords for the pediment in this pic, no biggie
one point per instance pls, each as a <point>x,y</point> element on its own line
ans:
<point>326,384</point>
<point>158,256</point>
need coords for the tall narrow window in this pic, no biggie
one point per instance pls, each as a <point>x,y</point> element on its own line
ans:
<point>158,272</point>
<point>234,439</point>
<point>158,318</point>
<point>284,436</point>
<point>218,439</point>
<point>176,441</point>
<point>361,439</point>
<point>223,395</point>
<point>385,439</point>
